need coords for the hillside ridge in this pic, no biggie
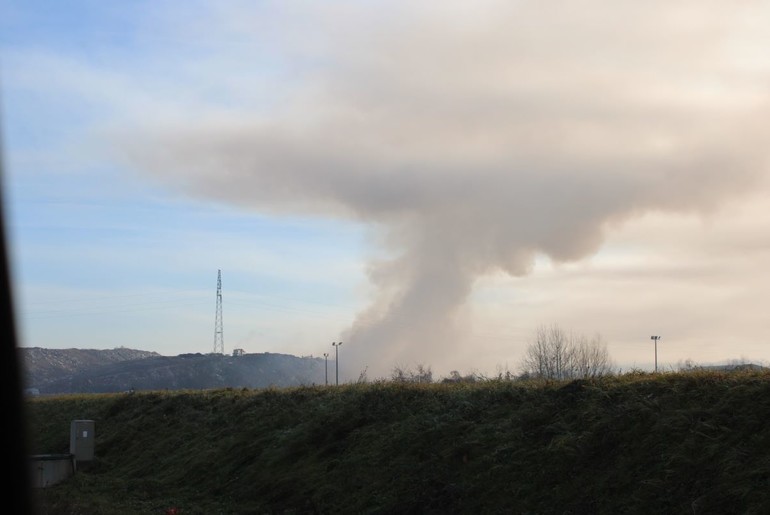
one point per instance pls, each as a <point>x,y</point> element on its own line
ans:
<point>61,371</point>
<point>694,443</point>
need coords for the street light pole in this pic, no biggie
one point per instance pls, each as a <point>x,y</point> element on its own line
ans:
<point>656,338</point>
<point>326,367</point>
<point>336,346</point>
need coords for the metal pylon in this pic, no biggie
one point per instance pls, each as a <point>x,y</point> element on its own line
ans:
<point>219,344</point>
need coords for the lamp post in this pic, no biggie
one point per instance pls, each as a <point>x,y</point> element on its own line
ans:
<point>336,346</point>
<point>656,338</point>
<point>326,367</point>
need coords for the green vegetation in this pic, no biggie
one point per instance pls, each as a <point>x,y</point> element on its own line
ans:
<point>638,443</point>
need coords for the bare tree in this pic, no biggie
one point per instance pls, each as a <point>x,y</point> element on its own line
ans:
<point>555,354</point>
<point>402,374</point>
<point>590,357</point>
<point>424,374</point>
<point>550,355</point>
<point>456,377</point>
<point>362,377</point>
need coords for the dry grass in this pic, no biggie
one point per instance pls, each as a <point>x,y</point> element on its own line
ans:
<point>637,443</point>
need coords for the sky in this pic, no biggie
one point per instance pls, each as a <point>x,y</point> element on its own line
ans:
<point>427,182</point>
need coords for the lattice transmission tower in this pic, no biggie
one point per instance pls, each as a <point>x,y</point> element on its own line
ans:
<point>219,344</point>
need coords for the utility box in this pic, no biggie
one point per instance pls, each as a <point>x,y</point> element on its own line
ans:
<point>82,438</point>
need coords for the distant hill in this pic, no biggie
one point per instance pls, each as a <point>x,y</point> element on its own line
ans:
<point>56,371</point>
<point>45,366</point>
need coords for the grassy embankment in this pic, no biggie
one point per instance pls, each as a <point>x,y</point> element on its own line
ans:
<point>673,443</point>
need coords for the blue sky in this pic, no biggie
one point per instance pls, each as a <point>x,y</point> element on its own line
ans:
<point>102,258</point>
<point>428,183</point>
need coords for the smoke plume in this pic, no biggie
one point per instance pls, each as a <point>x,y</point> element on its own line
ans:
<point>472,140</point>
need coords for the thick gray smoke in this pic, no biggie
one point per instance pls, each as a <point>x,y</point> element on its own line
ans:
<point>474,140</point>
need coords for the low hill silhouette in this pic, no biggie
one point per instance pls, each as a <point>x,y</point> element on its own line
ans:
<point>60,371</point>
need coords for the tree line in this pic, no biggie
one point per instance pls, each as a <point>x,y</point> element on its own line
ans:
<point>553,354</point>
